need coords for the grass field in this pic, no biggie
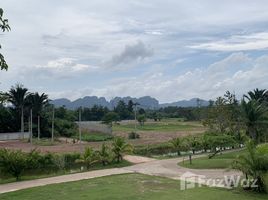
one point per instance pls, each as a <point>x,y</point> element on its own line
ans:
<point>94,137</point>
<point>162,126</point>
<point>220,161</point>
<point>135,186</point>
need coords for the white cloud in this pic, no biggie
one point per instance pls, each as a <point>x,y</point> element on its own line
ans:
<point>256,41</point>
<point>207,83</point>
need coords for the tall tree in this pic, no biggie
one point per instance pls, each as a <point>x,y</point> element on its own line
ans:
<point>257,95</point>
<point>18,97</point>
<point>5,27</point>
<point>254,118</point>
<point>38,102</point>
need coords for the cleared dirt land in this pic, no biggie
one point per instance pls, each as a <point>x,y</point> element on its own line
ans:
<point>150,133</point>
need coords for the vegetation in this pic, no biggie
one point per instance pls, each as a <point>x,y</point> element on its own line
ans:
<point>4,27</point>
<point>254,164</point>
<point>128,186</point>
<point>119,147</point>
<point>17,163</point>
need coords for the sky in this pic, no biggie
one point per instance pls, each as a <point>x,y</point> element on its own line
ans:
<point>171,50</point>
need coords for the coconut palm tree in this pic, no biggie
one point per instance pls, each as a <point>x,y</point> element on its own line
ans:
<point>88,158</point>
<point>104,154</point>
<point>254,117</point>
<point>38,102</point>
<point>119,147</point>
<point>177,144</point>
<point>253,164</point>
<point>18,97</point>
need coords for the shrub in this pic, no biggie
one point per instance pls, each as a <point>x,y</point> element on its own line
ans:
<point>133,135</point>
<point>13,162</point>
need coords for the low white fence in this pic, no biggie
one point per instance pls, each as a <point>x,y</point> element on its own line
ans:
<point>14,136</point>
<point>95,126</point>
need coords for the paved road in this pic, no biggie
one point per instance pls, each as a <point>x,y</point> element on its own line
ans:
<point>165,168</point>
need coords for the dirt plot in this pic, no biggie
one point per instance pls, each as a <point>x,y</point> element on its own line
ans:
<point>146,138</point>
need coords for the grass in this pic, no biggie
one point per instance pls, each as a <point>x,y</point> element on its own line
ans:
<point>94,137</point>
<point>31,175</point>
<point>165,125</point>
<point>221,161</point>
<point>134,187</point>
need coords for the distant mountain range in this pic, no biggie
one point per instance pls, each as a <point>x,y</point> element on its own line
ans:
<point>145,102</point>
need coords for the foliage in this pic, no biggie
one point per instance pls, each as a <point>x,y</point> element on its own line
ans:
<point>254,118</point>
<point>141,119</point>
<point>88,158</point>
<point>104,154</point>
<point>96,113</point>
<point>177,144</point>
<point>254,164</point>
<point>133,135</point>
<point>110,117</point>
<point>5,27</point>
<point>13,162</point>
<point>119,147</point>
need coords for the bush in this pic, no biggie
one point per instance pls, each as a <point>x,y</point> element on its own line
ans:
<point>156,149</point>
<point>13,162</point>
<point>133,135</point>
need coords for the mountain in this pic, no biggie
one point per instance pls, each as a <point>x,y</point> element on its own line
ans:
<point>145,102</point>
<point>187,103</point>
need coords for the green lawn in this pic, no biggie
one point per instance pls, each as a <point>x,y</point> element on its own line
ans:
<point>127,186</point>
<point>220,161</point>
<point>165,125</point>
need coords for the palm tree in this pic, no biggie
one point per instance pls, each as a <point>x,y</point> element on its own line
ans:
<point>38,102</point>
<point>177,144</point>
<point>119,147</point>
<point>257,95</point>
<point>88,158</point>
<point>254,163</point>
<point>104,154</point>
<point>254,117</point>
<point>17,96</point>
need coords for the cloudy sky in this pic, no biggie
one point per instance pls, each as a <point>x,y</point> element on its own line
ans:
<point>168,49</point>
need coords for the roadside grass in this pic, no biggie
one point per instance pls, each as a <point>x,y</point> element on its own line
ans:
<point>37,174</point>
<point>165,125</point>
<point>128,186</point>
<point>220,161</point>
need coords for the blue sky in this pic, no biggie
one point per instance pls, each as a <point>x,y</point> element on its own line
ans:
<point>170,49</point>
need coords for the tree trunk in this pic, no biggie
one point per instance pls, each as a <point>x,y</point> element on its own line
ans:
<point>38,124</point>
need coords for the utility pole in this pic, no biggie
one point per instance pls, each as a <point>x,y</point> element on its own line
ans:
<point>80,132</point>
<point>135,112</point>
<point>52,131</point>
<point>38,124</point>
<point>31,125</point>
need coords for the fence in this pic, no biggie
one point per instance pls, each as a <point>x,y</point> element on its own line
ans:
<point>14,136</point>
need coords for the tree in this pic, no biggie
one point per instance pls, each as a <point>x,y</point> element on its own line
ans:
<point>5,27</point>
<point>38,102</point>
<point>18,97</point>
<point>141,119</point>
<point>254,164</point>
<point>122,110</point>
<point>110,117</point>
<point>254,118</point>
<point>257,95</point>
<point>119,147</point>
<point>104,154</point>
<point>88,158</point>
<point>177,144</point>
